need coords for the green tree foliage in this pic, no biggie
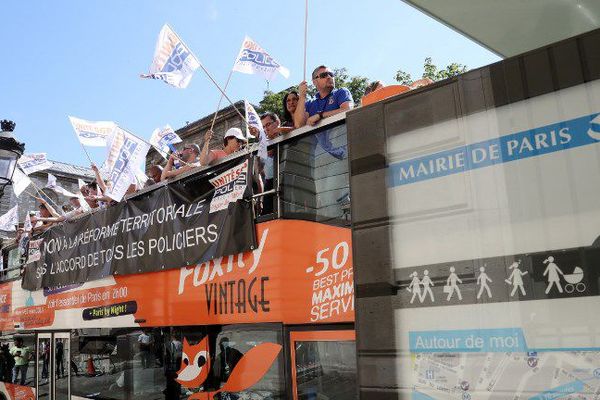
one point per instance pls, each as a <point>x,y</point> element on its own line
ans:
<point>273,101</point>
<point>355,84</point>
<point>403,78</point>
<point>431,71</point>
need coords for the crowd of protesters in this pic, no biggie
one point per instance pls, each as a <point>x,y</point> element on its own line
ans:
<point>298,111</point>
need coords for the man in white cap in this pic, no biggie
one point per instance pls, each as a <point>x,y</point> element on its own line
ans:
<point>233,141</point>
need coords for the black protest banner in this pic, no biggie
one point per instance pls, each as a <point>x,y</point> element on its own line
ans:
<point>185,223</point>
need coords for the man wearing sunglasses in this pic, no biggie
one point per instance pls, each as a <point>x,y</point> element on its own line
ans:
<point>327,102</point>
<point>189,155</point>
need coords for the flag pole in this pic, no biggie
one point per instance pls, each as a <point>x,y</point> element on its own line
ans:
<point>220,100</point>
<point>211,78</point>
<point>221,90</point>
<point>37,189</point>
<point>212,124</point>
<point>83,147</point>
<point>85,151</point>
<point>42,195</point>
<point>305,36</point>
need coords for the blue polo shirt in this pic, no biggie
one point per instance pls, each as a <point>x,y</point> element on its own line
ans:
<point>331,102</point>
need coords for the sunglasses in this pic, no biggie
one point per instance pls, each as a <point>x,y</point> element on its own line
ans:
<point>324,75</point>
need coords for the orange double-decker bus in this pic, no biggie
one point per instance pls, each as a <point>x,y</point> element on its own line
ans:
<point>275,322</point>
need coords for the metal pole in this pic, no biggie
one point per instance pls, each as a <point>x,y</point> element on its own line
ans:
<point>305,37</point>
<point>42,195</point>
<point>220,100</point>
<point>222,92</point>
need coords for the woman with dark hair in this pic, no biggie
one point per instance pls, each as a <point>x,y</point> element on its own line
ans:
<point>290,102</point>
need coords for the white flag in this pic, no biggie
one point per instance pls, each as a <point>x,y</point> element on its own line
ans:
<point>52,184</point>
<point>254,120</point>
<point>173,61</point>
<point>253,59</point>
<point>163,137</point>
<point>92,133</point>
<point>34,162</point>
<point>125,151</point>
<point>10,220</point>
<point>20,182</point>
<point>140,177</point>
<point>84,205</point>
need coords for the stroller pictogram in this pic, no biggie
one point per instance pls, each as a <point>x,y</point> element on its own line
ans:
<point>574,281</point>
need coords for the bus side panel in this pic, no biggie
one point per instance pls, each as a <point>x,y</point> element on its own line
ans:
<point>491,228</point>
<point>300,273</point>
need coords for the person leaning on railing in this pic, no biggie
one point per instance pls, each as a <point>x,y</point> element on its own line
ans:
<point>234,140</point>
<point>100,197</point>
<point>290,103</point>
<point>327,102</point>
<point>77,209</point>
<point>45,211</point>
<point>189,156</point>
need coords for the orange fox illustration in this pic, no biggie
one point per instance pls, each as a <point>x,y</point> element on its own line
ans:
<point>196,363</point>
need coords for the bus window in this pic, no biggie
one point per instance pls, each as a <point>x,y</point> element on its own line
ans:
<point>174,363</point>
<point>99,363</point>
<point>314,177</point>
<point>267,168</point>
<point>237,343</point>
<point>324,365</point>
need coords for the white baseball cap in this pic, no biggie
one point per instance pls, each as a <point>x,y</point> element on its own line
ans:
<point>236,133</point>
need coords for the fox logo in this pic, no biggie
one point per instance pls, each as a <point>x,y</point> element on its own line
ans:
<point>195,364</point>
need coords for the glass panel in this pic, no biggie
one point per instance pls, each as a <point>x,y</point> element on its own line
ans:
<point>14,264</point>
<point>144,364</point>
<point>43,368</point>
<point>326,370</point>
<point>99,363</point>
<point>17,359</point>
<point>268,171</point>
<point>233,344</point>
<point>6,167</point>
<point>314,177</point>
<point>61,368</point>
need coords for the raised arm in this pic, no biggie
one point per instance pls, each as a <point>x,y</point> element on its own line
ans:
<point>99,180</point>
<point>205,154</point>
<point>300,115</point>
<point>51,209</point>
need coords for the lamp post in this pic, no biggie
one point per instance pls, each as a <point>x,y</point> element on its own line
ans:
<point>10,151</point>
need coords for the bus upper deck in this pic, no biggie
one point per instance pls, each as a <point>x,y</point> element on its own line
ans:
<point>116,303</point>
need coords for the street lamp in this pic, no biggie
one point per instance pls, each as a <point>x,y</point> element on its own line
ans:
<point>10,151</point>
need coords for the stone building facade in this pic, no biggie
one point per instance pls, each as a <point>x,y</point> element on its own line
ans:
<point>66,176</point>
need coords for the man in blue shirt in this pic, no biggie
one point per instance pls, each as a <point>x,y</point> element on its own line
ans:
<point>327,102</point>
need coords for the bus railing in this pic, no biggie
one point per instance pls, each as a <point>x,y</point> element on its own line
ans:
<point>298,208</point>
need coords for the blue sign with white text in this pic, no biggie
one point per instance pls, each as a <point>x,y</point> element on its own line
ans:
<point>547,139</point>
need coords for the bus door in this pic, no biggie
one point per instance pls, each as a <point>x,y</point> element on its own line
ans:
<point>52,366</point>
<point>61,366</point>
<point>323,364</point>
<point>42,366</point>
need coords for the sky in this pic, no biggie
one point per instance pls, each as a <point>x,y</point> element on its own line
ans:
<point>83,58</point>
